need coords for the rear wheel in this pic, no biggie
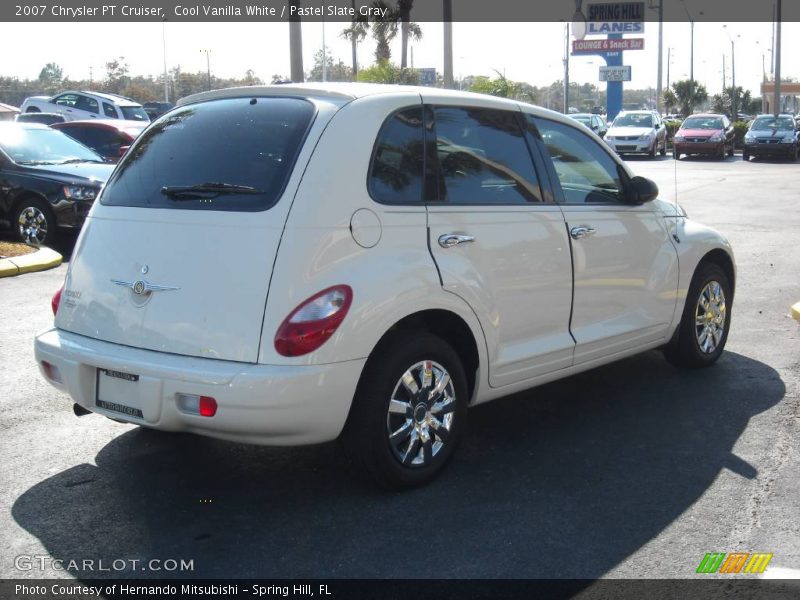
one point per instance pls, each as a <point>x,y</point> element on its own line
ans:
<point>34,222</point>
<point>703,330</point>
<point>408,411</point>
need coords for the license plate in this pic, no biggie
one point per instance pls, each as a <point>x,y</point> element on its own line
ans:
<point>118,392</point>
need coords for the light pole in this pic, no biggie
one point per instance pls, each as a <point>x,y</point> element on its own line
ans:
<point>208,66</point>
<point>734,94</point>
<point>777,53</point>
<point>691,59</point>
<point>566,68</point>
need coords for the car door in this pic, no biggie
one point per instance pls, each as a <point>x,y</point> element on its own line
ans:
<point>625,265</point>
<point>65,105</point>
<point>86,107</point>
<point>498,239</point>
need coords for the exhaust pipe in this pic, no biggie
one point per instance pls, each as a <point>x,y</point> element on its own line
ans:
<point>79,410</point>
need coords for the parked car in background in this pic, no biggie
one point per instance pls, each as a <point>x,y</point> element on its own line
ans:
<point>371,305</point>
<point>76,106</point>
<point>108,137</point>
<point>772,136</point>
<point>592,121</point>
<point>709,134</point>
<point>156,109</point>
<point>638,132</point>
<point>39,117</point>
<point>47,180</point>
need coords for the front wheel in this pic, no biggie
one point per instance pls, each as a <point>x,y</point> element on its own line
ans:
<point>664,149</point>
<point>703,330</point>
<point>408,412</point>
<point>745,156</point>
<point>34,222</point>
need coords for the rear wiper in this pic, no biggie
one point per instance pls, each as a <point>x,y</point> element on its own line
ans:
<point>206,190</point>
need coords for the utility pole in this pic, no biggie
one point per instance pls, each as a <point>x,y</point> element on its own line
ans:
<point>777,99</point>
<point>208,66</point>
<point>724,77</point>
<point>164,53</point>
<point>669,58</point>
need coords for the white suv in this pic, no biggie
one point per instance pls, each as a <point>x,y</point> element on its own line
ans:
<point>78,106</point>
<point>284,265</point>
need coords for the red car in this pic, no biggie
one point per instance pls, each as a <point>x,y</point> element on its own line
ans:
<point>110,138</point>
<point>708,134</point>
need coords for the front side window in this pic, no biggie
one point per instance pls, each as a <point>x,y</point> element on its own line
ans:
<point>586,172</point>
<point>232,154</point>
<point>483,157</point>
<point>396,173</point>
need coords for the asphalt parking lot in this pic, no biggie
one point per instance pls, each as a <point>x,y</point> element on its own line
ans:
<point>635,469</point>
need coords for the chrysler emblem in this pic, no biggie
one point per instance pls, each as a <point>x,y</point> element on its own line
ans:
<point>142,288</point>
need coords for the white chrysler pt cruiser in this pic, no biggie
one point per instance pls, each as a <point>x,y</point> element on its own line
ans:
<point>291,264</point>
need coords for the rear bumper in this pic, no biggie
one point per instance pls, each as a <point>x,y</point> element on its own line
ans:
<point>258,404</point>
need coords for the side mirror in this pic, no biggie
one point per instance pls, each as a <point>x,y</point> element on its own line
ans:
<point>640,190</point>
<point>123,150</point>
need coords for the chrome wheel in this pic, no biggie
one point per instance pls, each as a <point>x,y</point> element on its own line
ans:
<point>32,225</point>
<point>421,413</point>
<point>710,314</point>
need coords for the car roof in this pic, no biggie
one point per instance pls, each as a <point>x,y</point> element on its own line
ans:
<point>111,123</point>
<point>115,98</point>
<point>343,92</point>
<point>23,125</point>
<point>705,115</point>
<point>583,115</point>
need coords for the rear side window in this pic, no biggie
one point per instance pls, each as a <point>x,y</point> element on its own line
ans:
<point>109,111</point>
<point>396,173</point>
<point>483,157</point>
<point>233,154</point>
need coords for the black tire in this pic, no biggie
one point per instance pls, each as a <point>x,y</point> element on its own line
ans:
<point>366,436</point>
<point>676,155</point>
<point>684,350</point>
<point>745,156</point>
<point>732,151</point>
<point>34,222</point>
<point>652,152</point>
<point>664,148</point>
<point>723,153</point>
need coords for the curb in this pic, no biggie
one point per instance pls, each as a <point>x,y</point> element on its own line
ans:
<point>796,312</point>
<point>42,259</point>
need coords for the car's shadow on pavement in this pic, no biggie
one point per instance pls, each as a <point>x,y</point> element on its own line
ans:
<point>566,480</point>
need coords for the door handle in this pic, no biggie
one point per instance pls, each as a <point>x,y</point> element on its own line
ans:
<point>581,232</point>
<point>448,240</point>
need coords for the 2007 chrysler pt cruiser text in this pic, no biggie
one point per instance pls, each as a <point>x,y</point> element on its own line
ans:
<point>292,264</point>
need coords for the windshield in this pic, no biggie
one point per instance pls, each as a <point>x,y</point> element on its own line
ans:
<point>233,154</point>
<point>43,146</point>
<point>134,113</point>
<point>780,123</point>
<point>634,120</point>
<point>702,123</point>
<point>584,120</point>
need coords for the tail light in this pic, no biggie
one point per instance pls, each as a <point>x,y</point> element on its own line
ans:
<point>56,300</point>
<point>311,324</point>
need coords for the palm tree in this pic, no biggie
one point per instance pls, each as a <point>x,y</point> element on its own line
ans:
<point>384,29</point>
<point>356,34</point>
<point>407,29</point>
<point>689,94</point>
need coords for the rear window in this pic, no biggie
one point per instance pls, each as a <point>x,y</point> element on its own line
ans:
<point>237,153</point>
<point>134,113</point>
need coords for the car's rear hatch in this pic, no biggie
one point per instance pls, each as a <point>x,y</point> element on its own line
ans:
<point>167,266</point>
